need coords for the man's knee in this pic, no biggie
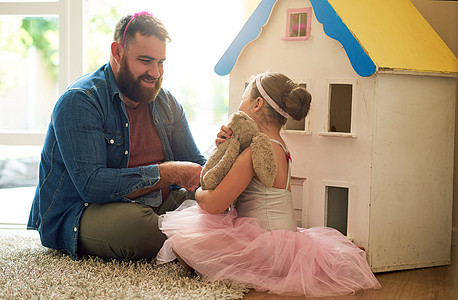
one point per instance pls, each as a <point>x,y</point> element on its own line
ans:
<point>142,233</point>
<point>120,230</point>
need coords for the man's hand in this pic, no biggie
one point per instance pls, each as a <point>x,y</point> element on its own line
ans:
<point>184,174</point>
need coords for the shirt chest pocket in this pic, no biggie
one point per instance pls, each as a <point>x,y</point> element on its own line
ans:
<point>115,148</point>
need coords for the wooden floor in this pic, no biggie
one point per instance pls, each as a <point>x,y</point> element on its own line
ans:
<point>429,283</point>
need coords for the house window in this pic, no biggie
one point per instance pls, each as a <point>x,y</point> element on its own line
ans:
<point>337,208</point>
<point>292,124</point>
<point>298,23</point>
<point>340,105</point>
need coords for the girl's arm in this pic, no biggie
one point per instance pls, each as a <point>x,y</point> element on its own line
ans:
<point>234,183</point>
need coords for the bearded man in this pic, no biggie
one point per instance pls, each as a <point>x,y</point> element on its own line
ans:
<point>118,153</point>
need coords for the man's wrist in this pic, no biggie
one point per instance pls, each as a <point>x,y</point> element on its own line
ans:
<point>166,173</point>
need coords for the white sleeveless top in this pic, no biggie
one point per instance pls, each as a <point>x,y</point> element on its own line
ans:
<point>271,206</point>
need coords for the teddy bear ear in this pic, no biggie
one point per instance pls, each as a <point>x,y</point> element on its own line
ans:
<point>263,158</point>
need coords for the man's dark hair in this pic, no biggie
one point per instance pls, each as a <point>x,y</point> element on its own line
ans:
<point>144,23</point>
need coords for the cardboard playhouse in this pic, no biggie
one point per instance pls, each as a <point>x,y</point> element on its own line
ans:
<point>374,158</point>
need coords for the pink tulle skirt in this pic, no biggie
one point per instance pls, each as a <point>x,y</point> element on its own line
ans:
<point>319,261</point>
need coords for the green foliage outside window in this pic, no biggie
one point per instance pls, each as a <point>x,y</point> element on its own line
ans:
<point>17,36</point>
<point>43,34</point>
<point>99,36</point>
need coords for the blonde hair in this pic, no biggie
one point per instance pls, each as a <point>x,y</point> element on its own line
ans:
<point>290,96</point>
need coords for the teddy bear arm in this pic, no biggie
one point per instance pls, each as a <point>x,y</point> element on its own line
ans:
<point>215,174</point>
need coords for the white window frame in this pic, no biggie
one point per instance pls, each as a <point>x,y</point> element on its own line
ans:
<point>308,25</point>
<point>327,133</point>
<point>71,51</point>
<point>351,195</point>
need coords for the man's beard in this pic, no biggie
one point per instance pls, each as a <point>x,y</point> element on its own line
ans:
<point>132,88</point>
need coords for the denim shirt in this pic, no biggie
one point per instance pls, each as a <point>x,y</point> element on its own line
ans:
<point>86,153</point>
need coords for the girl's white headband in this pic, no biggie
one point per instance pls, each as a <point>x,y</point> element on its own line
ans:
<point>268,99</point>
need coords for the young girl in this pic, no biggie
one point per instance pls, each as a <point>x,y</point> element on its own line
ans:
<point>258,241</point>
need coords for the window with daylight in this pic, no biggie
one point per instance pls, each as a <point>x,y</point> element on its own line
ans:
<point>298,23</point>
<point>29,72</point>
<point>41,54</point>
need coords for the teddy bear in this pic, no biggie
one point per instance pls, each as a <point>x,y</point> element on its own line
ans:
<point>245,133</point>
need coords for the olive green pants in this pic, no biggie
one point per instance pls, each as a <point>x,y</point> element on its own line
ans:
<point>125,230</point>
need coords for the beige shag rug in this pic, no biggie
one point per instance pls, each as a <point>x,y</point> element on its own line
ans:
<point>30,271</point>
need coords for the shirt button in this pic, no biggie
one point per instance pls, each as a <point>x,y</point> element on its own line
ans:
<point>75,229</point>
<point>127,124</point>
<point>86,204</point>
<point>111,141</point>
<point>126,152</point>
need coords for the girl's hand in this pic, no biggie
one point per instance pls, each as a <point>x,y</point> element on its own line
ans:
<point>224,133</point>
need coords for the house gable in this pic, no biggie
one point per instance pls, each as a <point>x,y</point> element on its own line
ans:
<point>377,35</point>
<point>250,31</point>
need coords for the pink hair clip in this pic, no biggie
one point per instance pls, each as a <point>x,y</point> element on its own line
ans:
<point>142,13</point>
